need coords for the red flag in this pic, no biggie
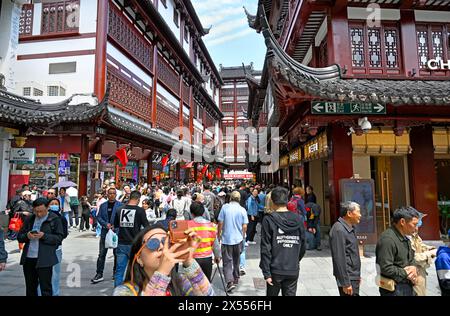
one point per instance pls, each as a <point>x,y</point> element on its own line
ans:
<point>210,176</point>
<point>205,168</point>
<point>218,174</point>
<point>165,160</point>
<point>189,165</point>
<point>121,154</point>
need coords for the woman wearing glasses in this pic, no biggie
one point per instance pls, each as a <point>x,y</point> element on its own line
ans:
<point>151,270</point>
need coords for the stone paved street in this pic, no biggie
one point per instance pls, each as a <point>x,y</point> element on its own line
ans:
<point>80,250</point>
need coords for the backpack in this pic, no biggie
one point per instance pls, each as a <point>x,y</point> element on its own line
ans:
<point>293,206</point>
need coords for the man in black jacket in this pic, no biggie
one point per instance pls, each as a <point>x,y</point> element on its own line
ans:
<point>3,252</point>
<point>345,250</point>
<point>283,245</point>
<point>41,233</point>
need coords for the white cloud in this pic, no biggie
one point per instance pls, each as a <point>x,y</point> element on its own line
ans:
<point>220,15</point>
<point>230,37</point>
<point>227,27</point>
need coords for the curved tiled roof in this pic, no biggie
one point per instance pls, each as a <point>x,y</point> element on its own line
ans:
<point>23,111</point>
<point>327,84</point>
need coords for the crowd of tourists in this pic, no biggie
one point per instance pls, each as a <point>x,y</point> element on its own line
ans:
<point>167,238</point>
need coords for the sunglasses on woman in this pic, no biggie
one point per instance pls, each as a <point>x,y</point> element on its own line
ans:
<point>153,243</point>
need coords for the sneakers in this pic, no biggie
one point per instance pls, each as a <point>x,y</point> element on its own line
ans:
<point>319,249</point>
<point>230,287</point>
<point>98,278</point>
<point>252,242</point>
<point>242,272</point>
<point>246,244</point>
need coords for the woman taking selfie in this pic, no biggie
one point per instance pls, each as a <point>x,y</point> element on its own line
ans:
<point>151,270</point>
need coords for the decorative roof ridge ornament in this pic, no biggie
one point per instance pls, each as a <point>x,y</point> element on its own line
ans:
<point>251,18</point>
<point>312,74</point>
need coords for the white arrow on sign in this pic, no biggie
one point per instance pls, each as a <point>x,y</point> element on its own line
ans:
<point>379,108</point>
<point>318,107</point>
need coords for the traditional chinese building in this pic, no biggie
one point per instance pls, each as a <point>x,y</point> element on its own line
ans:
<point>159,72</point>
<point>330,66</point>
<point>234,106</point>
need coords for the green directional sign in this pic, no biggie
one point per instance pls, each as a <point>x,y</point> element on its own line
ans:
<point>351,108</point>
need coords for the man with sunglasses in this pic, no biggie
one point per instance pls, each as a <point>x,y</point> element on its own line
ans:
<point>129,221</point>
<point>105,219</point>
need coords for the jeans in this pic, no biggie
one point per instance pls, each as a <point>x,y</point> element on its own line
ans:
<point>123,256</point>
<point>98,230</point>
<point>286,283</point>
<point>68,217</point>
<point>56,274</point>
<point>102,255</point>
<point>242,257</point>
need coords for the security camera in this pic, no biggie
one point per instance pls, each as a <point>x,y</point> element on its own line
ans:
<point>364,124</point>
<point>351,131</point>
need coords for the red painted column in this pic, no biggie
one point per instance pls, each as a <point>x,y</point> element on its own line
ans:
<point>100,49</point>
<point>423,180</point>
<point>150,168</point>
<point>84,160</point>
<point>409,47</point>
<point>155,85</point>
<point>340,165</point>
<point>338,37</point>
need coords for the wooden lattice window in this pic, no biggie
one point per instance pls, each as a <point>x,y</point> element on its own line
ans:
<point>128,96</point>
<point>186,93</point>
<point>122,31</point>
<point>432,43</point>
<point>26,20</point>
<point>357,39</point>
<point>60,17</point>
<point>167,75</point>
<point>391,44</point>
<point>375,50</point>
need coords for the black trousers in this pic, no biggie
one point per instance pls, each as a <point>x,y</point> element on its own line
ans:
<point>207,265</point>
<point>231,258</point>
<point>35,277</point>
<point>401,289</point>
<point>102,256</point>
<point>251,229</point>
<point>286,283</point>
<point>355,287</point>
<point>84,221</point>
<point>74,209</point>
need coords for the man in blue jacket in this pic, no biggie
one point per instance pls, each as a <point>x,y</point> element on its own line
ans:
<point>105,219</point>
<point>443,269</point>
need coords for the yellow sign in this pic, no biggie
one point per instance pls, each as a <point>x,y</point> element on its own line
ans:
<point>98,157</point>
<point>284,161</point>
<point>295,156</point>
<point>317,148</point>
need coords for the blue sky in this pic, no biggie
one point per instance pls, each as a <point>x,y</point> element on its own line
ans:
<point>231,41</point>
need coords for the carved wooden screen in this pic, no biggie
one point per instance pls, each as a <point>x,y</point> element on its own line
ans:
<point>26,20</point>
<point>127,96</point>
<point>323,54</point>
<point>186,93</point>
<point>166,119</point>
<point>432,44</point>
<point>168,76</point>
<point>124,34</point>
<point>60,17</point>
<point>375,50</point>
